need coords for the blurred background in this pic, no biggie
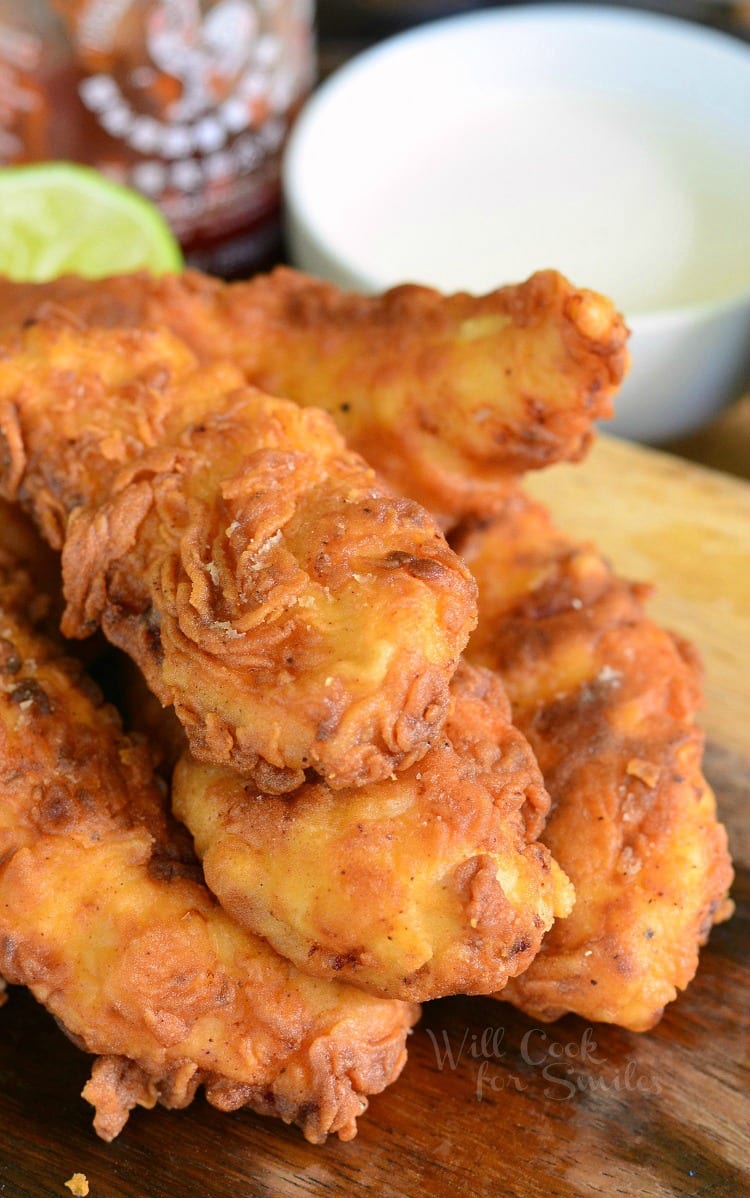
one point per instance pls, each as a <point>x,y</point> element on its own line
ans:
<point>346,26</point>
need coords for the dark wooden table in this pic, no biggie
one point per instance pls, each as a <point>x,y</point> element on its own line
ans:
<point>347,26</point>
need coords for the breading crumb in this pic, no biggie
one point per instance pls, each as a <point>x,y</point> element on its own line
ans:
<point>647,771</point>
<point>78,1185</point>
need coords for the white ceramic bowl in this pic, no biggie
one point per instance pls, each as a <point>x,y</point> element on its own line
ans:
<point>611,144</point>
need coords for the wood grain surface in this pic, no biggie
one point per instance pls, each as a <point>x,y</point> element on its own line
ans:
<point>491,1103</point>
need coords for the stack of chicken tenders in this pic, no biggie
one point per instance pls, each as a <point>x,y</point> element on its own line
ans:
<point>422,743</point>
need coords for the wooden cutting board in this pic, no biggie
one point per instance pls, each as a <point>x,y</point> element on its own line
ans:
<point>491,1103</point>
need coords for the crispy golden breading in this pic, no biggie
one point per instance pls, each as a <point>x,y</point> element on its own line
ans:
<point>428,884</point>
<point>292,609</point>
<point>445,395</point>
<point>607,700</point>
<point>100,917</point>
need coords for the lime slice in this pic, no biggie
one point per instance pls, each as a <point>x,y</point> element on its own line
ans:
<point>59,218</point>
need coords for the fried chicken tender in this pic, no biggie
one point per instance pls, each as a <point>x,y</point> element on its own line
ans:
<point>102,919</point>
<point>607,700</point>
<point>428,884</point>
<point>293,610</point>
<point>445,395</point>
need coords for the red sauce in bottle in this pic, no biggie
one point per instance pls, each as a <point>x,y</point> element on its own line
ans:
<point>189,101</point>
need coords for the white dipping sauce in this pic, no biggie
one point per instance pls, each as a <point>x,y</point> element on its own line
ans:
<point>649,210</point>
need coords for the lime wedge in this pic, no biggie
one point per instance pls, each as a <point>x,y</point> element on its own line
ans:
<point>59,218</point>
